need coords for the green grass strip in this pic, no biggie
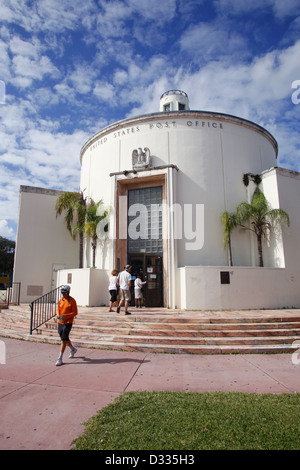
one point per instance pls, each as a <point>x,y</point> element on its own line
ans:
<point>194,421</point>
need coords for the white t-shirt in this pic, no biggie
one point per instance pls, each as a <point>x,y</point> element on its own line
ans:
<point>112,283</point>
<point>138,283</point>
<point>124,278</point>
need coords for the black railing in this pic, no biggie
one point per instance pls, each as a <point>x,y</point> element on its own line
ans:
<point>44,308</point>
<point>4,298</point>
<point>11,295</point>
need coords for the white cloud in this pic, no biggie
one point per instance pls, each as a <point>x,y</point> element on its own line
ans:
<point>30,48</point>
<point>6,231</point>
<point>46,15</point>
<point>104,91</point>
<point>33,69</point>
<point>204,41</point>
<point>5,61</point>
<point>157,10</point>
<point>120,77</point>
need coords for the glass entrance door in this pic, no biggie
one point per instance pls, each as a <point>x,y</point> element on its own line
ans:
<point>154,286</point>
<point>145,241</point>
<point>150,268</point>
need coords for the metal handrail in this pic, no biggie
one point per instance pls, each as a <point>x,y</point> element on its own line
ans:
<point>4,299</point>
<point>11,295</point>
<point>44,308</point>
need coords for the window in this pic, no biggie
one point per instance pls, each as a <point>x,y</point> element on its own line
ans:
<point>145,225</point>
<point>167,107</point>
<point>181,106</point>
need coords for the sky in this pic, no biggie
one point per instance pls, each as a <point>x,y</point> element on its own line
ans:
<point>68,68</point>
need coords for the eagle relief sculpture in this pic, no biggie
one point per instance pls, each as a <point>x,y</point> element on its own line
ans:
<point>140,159</point>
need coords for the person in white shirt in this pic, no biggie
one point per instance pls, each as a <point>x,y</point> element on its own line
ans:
<point>124,280</point>
<point>138,284</point>
<point>113,290</point>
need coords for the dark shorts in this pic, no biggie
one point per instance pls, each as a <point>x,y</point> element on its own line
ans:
<point>113,295</point>
<point>64,331</point>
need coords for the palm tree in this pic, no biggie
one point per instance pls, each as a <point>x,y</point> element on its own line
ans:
<point>91,224</point>
<point>74,205</point>
<point>229,222</point>
<point>261,218</point>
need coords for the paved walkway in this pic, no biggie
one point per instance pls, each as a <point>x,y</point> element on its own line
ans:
<point>43,406</point>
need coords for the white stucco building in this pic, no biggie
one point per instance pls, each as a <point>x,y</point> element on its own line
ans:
<point>167,178</point>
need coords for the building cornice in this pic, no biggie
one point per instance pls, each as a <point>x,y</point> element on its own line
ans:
<point>37,190</point>
<point>143,170</point>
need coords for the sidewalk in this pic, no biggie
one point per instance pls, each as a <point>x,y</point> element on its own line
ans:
<point>43,406</point>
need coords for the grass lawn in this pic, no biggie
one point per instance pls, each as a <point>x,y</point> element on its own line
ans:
<point>195,421</point>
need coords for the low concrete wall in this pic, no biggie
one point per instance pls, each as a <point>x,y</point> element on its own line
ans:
<point>89,286</point>
<point>200,288</point>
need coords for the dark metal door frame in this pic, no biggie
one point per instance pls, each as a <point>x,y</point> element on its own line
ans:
<point>151,268</point>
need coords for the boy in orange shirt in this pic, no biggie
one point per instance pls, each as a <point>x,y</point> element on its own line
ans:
<point>66,311</point>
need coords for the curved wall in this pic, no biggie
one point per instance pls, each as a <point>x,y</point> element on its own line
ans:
<point>212,152</point>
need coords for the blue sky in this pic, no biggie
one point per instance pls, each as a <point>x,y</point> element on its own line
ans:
<point>71,67</point>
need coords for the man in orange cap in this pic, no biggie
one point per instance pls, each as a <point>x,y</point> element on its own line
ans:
<point>66,311</point>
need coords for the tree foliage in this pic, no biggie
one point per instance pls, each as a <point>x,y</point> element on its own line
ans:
<point>73,204</point>
<point>81,217</point>
<point>260,218</point>
<point>93,219</point>
<point>7,251</point>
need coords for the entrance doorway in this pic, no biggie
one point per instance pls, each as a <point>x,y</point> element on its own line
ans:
<point>140,210</point>
<point>150,268</point>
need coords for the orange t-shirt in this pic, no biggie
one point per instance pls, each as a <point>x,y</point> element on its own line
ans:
<point>67,307</point>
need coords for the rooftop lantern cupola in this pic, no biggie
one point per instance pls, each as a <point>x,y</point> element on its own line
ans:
<point>174,100</point>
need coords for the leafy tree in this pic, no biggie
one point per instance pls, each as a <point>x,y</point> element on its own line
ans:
<point>7,251</point>
<point>74,206</point>
<point>261,218</point>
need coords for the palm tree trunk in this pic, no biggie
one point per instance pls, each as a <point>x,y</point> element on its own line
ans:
<point>259,246</point>
<point>94,246</point>
<point>229,252</point>
<point>81,250</point>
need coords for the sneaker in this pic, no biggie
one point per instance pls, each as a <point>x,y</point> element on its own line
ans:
<point>72,352</point>
<point>59,362</point>
<point>127,313</point>
<point>118,309</point>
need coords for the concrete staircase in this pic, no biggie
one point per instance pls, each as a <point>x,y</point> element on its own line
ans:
<point>170,331</point>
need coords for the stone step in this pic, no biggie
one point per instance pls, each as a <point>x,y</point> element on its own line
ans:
<point>167,331</point>
<point>79,329</point>
<point>164,348</point>
<point>137,337</point>
<point>192,325</point>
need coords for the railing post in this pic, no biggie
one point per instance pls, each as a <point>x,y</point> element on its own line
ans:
<point>31,316</point>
